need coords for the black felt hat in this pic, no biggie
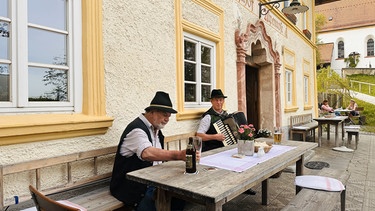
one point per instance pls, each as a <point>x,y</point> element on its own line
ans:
<point>162,102</point>
<point>217,93</point>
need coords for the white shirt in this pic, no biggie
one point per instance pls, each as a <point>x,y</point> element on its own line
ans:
<point>137,140</point>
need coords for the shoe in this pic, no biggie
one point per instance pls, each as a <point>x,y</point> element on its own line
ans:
<point>251,192</point>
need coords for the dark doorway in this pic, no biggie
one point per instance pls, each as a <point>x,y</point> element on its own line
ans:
<point>252,95</point>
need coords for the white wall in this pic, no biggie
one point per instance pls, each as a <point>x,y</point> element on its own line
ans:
<point>354,40</point>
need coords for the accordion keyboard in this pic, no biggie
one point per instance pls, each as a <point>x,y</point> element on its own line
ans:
<point>222,128</point>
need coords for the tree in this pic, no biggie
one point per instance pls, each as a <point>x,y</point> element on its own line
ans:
<point>329,82</point>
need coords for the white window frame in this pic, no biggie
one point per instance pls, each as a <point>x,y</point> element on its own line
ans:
<point>306,88</point>
<point>19,62</point>
<point>289,87</point>
<point>207,43</point>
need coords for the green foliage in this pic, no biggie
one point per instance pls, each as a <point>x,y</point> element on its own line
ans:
<point>369,109</point>
<point>363,88</point>
<point>352,60</point>
<point>328,81</point>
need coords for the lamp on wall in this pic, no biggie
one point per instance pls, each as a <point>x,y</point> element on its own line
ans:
<point>294,7</point>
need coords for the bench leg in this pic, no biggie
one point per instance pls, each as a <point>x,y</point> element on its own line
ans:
<point>349,138</point>
<point>304,136</point>
<point>356,140</point>
<point>342,198</point>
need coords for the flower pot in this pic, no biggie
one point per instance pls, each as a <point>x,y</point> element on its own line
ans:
<point>245,147</point>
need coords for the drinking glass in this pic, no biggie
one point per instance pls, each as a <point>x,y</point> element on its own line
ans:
<point>197,142</point>
<point>277,135</point>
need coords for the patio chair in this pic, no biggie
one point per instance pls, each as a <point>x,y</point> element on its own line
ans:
<point>360,119</point>
<point>44,203</point>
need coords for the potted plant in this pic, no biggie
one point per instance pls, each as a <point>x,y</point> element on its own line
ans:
<point>264,133</point>
<point>246,135</point>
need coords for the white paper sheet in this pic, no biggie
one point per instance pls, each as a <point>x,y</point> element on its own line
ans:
<point>224,160</point>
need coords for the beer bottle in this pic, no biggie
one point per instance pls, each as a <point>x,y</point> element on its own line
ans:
<point>191,166</point>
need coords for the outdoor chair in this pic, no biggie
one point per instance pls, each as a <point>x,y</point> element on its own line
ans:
<point>360,119</point>
<point>44,203</point>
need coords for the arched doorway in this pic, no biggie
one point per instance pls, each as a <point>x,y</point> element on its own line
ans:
<point>258,77</point>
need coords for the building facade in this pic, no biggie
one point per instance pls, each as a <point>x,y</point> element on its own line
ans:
<point>117,54</point>
<point>348,32</point>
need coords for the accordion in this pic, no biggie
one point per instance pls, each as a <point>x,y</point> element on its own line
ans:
<point>229,127</point>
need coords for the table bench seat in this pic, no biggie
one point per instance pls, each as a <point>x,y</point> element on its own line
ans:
<point>97,200</point>
<point>311,199</point>
<point>303,124</point>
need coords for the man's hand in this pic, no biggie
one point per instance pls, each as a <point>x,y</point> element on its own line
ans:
<point>220,137</point>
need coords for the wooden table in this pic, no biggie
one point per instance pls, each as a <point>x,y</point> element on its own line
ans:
<point>213,188</point>
<point>330,121</point>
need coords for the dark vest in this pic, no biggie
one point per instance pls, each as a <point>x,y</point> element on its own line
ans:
<point>213,144</point>
<point>125,190</point>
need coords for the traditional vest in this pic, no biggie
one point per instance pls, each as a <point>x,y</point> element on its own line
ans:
<point>125,190</point>
<point>213,144</point>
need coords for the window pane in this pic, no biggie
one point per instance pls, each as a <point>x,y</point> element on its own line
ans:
<point>340,48</point>
<point>4,8</point>
<point>4,83</point>
<point>190,93</point>
<point>190,72</point>
<point>49,13</point>
<point>189,53</point>
<point>370,47</point>
<point>206,55</point>
<point>206,90</point>
<point>48,84</point>
<point>47,47</point>
<point>206,74</point>
<point>4,40</point>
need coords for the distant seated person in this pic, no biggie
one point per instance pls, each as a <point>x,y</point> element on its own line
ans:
<point>326,108</point>
<point>353,108</point>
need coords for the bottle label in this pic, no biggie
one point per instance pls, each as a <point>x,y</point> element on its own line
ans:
<point>189,161</point>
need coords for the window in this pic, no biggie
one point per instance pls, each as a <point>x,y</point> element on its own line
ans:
<point>199,70</point>
<point>306,89</point>
<point>40,68</point>
<point>370,47</point>
<point>92,120</point>
<point>289,87</point>
<point>340,50</point>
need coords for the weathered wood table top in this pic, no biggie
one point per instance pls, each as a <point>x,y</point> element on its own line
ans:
<point>213,188</point>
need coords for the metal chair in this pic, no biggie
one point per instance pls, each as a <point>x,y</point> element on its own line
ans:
<point>44,203</point>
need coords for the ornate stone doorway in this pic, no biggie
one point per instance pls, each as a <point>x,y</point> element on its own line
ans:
<point>255,49</point>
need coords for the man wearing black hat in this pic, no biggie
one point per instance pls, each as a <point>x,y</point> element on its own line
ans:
<point>141,146</point>
<point>206,130</point>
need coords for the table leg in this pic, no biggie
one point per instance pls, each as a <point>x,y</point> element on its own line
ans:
<point>328,131</point>
<point>214,207</point>
<point>163,201</point>
<point>299,171</point>
<point>265,192</point>
<point>319,135</point>
<point>336,133</point>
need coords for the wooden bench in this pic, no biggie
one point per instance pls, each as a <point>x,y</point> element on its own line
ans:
<point>353,130</point>
<point>302,124</point>
<point>66,165</point>
<point>98,200</point>
<point>311,199</point>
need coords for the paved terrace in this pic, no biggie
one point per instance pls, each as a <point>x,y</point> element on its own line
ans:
<point>360,186</point>
<point>360,195</point>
